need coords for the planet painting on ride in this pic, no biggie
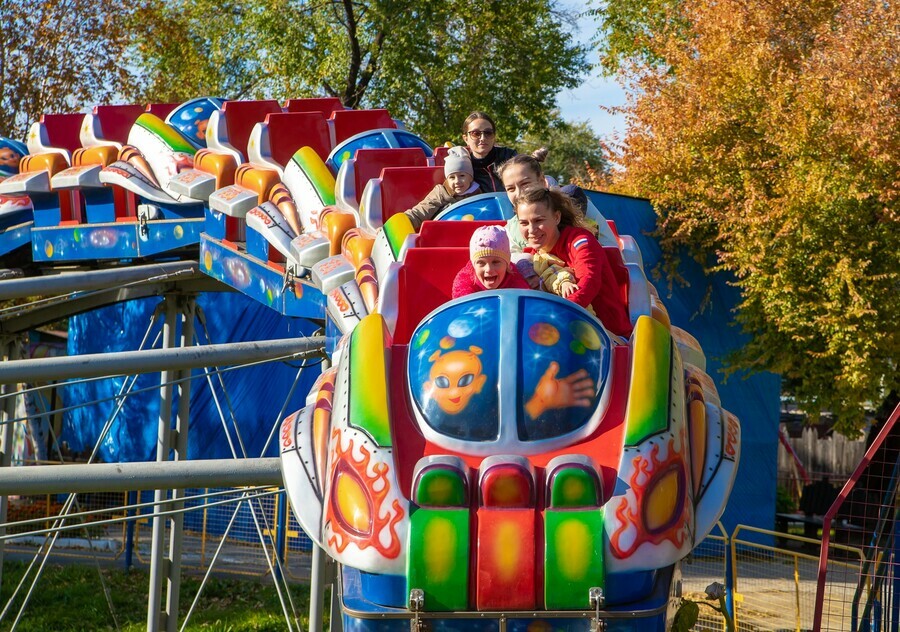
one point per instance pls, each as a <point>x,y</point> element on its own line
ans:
<point>192,118</point>
<point>11,152</point>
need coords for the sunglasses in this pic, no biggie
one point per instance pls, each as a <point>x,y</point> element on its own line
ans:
<point>481,133</point>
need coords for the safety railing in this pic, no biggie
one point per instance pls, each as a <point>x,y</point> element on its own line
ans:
<point>774,587</point>
<point>771,575</point>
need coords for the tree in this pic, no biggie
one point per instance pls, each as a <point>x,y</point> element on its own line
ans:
<point>574,149</point>
<point>209,49</point>
<point>629,28</point>
<point>768,140</point>
<point>59,57</point>
<point>429,63</point>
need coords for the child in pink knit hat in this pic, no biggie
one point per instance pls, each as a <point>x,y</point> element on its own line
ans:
<point>488,267</point>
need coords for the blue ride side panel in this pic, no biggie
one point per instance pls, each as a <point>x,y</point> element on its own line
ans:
<point>332,337</point>
<point>257,246</point>
<point>159,236</point>
<point>257,280</point>
<point>360,613</point>
<point>46,209</point>
<point>78,242</point>
<point>98,205</point>
<point>215,223</point>
<point>254,393</point>
<point>15,231</point>
<point>755,399</point>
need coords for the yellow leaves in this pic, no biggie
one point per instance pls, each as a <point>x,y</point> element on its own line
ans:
<point>773,143</point>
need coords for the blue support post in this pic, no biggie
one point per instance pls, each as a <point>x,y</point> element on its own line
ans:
<point>129,532</point>
<point>280,532</point>
<point>729,578</point>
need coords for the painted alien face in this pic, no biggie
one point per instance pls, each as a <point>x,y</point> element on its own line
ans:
<point>455,377</point>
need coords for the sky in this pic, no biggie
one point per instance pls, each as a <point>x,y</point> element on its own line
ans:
<point>582,103</point>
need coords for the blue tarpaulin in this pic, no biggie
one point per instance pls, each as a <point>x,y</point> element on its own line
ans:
<point>255,394</point>
<point>755,398</point>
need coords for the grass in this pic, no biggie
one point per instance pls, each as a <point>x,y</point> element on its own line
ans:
<point>71,598</point>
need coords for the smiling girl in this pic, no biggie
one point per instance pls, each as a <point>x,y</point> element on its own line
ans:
<point>550,225</point>
<point>488,267</point>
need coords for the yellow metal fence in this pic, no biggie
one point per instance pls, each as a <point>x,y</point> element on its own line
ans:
<point>773,575</point>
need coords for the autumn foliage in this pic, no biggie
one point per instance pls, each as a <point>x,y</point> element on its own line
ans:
<point>58,57</point>
<point>766,135</point>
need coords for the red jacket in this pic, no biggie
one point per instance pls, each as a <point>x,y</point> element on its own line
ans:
<point>597,286</point>
<point>465,282</point>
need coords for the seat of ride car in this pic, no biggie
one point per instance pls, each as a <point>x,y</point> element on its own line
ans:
<point>368,163</point>
<point>115,122</point>
<point>404,187</point>
<point>425,282</point>
<point>436,233</point>
<point>325,105</point>
<point>241,116</point>
<point>347,123</point>
<point>289,131</point>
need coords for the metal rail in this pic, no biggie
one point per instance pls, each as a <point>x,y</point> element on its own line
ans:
<point>108,477</point>
<point>155,360</point>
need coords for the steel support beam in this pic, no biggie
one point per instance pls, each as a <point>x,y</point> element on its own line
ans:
<point>122,477</point>
<point>30,317</point>
<point>155,360</point>
<point>187,311</point>
<point>156,617</point>
<point>84,280</point>
<point>9,349</point>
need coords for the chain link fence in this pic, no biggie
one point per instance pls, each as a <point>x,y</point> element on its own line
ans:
<point>238,536</point>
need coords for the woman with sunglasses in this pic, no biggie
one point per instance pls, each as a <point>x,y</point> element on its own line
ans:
<point>479,132</point>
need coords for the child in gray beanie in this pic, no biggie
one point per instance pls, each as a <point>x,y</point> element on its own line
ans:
<point>458,185</point>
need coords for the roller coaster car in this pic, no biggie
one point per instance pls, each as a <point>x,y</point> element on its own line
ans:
<point>509,455</point>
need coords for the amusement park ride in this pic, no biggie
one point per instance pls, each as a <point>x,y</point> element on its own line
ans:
<point>439,459</point>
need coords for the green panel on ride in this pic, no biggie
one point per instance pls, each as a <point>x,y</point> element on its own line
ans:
<point>396,229</point>
<point>165,133</point>
<point>648,398</point>
<point>441,488</point>
<point>368,380</point>
<point>573,550</point>
<point>438,560</point>
<point>316,172</point>
<point>573,487</point>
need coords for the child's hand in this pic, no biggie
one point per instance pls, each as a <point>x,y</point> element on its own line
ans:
<point>567,288</point>
<point>534,282</point>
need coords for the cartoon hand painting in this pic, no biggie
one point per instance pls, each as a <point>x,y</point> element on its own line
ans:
<point>455,377</point>
<point>574,390</point>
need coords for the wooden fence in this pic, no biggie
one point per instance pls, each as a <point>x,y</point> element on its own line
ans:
<point>834,455</point>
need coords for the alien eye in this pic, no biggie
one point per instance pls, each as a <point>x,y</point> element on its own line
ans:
<point>441,381</point>
<point>466,379</point>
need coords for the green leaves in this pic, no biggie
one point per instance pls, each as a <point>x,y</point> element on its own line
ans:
<point>429,63</point>
<point>574,149</point>
<point>58,57</point>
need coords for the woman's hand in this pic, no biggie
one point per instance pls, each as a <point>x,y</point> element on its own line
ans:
<point>574,390</point>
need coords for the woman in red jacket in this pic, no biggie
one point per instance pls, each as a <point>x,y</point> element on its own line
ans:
<point>550,224</point>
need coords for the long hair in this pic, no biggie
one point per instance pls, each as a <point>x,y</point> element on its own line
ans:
<point>474,116</point>
<point>554,201</point>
